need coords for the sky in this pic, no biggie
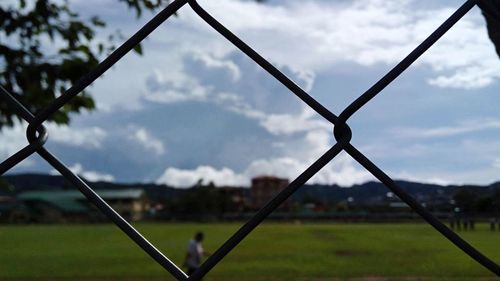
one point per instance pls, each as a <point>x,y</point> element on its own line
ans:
<point>194,107</point>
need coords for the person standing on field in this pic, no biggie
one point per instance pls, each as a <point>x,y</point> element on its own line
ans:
<point>195,253</point>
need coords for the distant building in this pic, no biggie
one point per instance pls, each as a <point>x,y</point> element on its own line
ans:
<point>11,210</point>
<point>71,205</point>
<point>264,188</point>
<point>236,199</point>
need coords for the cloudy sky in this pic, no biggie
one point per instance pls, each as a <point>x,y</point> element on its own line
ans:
<point>193,106</point>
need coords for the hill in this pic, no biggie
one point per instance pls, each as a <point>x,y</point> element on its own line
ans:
<point>365,192</point>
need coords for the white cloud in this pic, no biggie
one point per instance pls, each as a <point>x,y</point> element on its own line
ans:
<point>89,137</point>
<point>13,139</point>
<point>213,63</point>
<point>166,89</point>
<point>274,123</point>
<point>342,170</point>
<point>287,124</point>
<point>462,128</point>
<point>238,85</point>
<point>184,85</point>
<point>186,178</point>
<point>284,167</point>
<point>318,142</point>
<point>236,104</point>
<point>472,77</point>
<point>146,140</point>
<point>496,163</point>
<point>315,35</point>
<point>309,40</point>
<point>220,80</point>
<point>231,81</point>
<point>312,36</point>
<point>93,176</point>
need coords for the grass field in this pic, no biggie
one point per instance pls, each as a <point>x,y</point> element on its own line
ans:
<point>370,252</point>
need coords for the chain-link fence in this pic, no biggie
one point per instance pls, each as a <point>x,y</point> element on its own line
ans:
<point>37,135</point>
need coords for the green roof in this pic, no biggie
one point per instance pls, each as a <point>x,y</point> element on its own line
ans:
<point>74,200</point>
<point>69,205</point>
<point>75,194</point>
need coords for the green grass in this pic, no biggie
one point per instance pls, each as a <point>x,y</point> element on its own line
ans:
<point>272,252</point>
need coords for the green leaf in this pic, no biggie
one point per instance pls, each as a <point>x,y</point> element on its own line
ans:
<point>97,21</point>
<point>138,49</point>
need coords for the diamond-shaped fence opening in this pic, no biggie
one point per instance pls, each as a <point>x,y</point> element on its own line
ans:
<point>37,136</point>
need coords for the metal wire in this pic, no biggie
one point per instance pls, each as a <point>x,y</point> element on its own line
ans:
<point>37,136</point>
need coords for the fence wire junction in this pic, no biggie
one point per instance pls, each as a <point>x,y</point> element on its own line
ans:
<point>37,136</point>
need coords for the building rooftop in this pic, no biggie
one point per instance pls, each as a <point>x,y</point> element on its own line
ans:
<point>73,200</point>
<point>267,177</point>
<point>75,194</point>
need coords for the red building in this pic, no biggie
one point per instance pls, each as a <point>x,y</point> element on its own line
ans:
<point>265,188</point>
